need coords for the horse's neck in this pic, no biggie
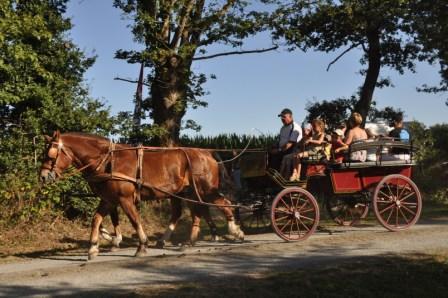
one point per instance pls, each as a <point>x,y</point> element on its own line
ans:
<point>87,151</point>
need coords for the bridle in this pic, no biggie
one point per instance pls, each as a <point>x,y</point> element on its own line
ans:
<point>54,152</point>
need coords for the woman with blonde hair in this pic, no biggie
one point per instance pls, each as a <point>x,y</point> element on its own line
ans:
<point>356,134</point>
<point>312,147</point>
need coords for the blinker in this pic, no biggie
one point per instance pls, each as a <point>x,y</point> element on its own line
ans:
<point>53,152</point>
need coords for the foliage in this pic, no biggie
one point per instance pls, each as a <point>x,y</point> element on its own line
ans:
<point>41,89</point>
<point>432,158</point>
<point>433,36</point>
<point>174,35</point>
<point>384,31</point>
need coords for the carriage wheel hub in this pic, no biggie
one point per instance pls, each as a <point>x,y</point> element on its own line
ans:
<point>398,203</point>
<point>297,214</point>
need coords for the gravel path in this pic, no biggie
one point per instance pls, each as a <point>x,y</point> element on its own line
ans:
<point>118,273</point>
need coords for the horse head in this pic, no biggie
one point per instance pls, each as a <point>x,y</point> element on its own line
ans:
<point>56,160</point>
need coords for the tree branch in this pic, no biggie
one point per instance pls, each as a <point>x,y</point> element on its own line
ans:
<point>130,81</point>
<point>235,53</point>
<point>342,54</point>
<point>183,18</point>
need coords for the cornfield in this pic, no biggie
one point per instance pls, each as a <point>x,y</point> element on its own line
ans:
<point>229,141</point>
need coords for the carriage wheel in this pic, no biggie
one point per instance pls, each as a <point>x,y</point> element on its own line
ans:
<point>346,212</point>
<point>255,220</point>
<point>397,202</point>
<point>294,214</point>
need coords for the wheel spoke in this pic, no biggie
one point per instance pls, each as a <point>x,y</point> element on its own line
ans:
<point>388,197</point>
<point>402,191</point>
<point>303,206</point>
<point>284,203</point>
<point>387,208</point>
<point>307,210</point>
<point>408,210</point>
<point>408,196</point>
<point>283,211</point>
<point>396,217</point>
<point>404,216</point>
<point>290,229</point>
<point>288,223</point>
<point>390,191</point>
<point>390,214</point>
<point>304,225</point>
<point>298,228</point>
<point>306,217</point>
<point>282,218</point>
<point>410,204</point>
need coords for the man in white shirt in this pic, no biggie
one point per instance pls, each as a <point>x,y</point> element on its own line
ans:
<point>290,135</point>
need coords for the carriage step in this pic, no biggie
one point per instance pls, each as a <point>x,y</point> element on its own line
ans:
<point>281,181</point>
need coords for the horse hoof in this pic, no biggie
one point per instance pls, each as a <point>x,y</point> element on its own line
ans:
<point>140,254</point>
<point>141,251</point>
<point>215,238</point>
<point>160,244</point>
<point>116,241</point>
<point>114,248</point>
<point>92,256</point>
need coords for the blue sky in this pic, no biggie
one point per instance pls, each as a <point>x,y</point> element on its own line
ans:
<point>250,90</point>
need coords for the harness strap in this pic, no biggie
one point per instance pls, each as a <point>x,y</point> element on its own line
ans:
<point>139,173</point>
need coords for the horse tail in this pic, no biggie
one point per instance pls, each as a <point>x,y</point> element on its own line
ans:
<point>226,185</point>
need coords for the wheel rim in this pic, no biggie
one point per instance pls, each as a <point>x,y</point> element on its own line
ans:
<point>397,202</point>
<point>294,214</point>
<point>346,213</point>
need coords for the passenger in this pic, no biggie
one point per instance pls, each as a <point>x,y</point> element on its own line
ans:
<point>402,135</point>
<point>290,135</point>
<point>356,134</point>
<point>338,146</point>
<point>343,127</point>
<point>313,148</point>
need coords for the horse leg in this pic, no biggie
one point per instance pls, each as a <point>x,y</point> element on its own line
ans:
<point>205,212</point>
<point>233,228</point>
<point>116,240</point>
<point>176,212</point>
<point>195,222</point>
<point>128,206</point>
<point>101,212</point>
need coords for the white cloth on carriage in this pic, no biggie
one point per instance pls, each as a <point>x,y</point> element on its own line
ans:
<point>359,155</point>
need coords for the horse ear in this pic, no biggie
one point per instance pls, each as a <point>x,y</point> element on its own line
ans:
<point>56,135</point>
<point>48,139</point>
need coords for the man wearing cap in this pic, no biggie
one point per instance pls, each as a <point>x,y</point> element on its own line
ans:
<point>290,135</point>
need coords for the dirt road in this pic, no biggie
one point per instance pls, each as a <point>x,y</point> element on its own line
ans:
<point>119,273</point>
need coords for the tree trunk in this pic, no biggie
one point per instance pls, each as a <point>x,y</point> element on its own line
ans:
<point>168,100</point>
<point>373,71</point>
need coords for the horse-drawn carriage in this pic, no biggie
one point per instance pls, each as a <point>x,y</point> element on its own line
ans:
<point>122,175</point>
<point>347,190</point>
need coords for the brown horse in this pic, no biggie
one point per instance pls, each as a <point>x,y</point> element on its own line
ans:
<point>122,175</point>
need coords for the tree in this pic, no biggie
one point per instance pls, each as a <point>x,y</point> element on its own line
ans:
<point>381,29</point>
<point>174,35</point>
<point>431,26</point>
<point>41,89</point>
